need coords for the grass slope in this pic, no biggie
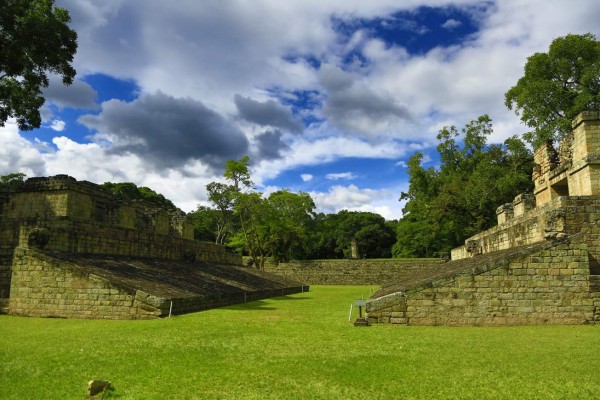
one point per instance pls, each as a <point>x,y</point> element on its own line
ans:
<point>294,347</point>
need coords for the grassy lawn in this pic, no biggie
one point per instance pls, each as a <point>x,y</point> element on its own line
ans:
<point>294,347</point>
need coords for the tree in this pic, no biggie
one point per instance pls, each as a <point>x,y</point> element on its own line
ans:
<point>130,191</point>
<point>34,40</point>
<point>330,235</point>
<point>224,195</point>
<point>417,233</point>
<point>292,215</point>
<point>237,173</point>
<point>273,227</point>
<point>445,206</point>
<point>13,179</point>
<point>204,219</point>
<point>556,86</point>
<point>253,213</point>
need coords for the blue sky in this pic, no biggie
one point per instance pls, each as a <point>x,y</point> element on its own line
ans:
<point>326,97</point>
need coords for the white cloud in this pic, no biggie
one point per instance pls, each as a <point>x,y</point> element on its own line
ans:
<point>384,201</point>
<point>340,175</point>
<point>306,177</point>
<point>306,151</point>
<point>213,53</point>
<point>193,53</point>
<point>92,162</point>
<point>58,125</point>
<point>451,24</point>
<point>17,154</point>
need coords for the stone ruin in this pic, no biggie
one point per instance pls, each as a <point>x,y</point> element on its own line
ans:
<point>70,248</point>
<point>539,265</point>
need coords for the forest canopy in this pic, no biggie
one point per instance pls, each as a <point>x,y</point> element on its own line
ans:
<point>445,206</point>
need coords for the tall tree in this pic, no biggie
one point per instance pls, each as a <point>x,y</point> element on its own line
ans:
<point>417,232</point>
<point>556,86</point>
<point>445,206</point>
<point>237,173</point>
<point>224,195</point>
<point>293,214</point>
<point>275,226</point>
<point>35,40</point>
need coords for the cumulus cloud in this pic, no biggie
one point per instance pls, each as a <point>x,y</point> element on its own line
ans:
<point>451,24</point>
<point>208,55</point>
<point>343,197</point>
<point>268,113</point>
<point>90,161</point>
<point>306,177</point>
<point>168,131</point>
<point>18,154</point>
<point>327,149</point>
<point>353,198</point>
<point>79,94</point>
<point>354,106</point>
<point>340,175</point>
<point>58,125</point>
<point>270,145</point>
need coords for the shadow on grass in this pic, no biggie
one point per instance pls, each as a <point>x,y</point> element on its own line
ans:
<point>290,298</point>
<point>251,305</point>
<point>261,304</point>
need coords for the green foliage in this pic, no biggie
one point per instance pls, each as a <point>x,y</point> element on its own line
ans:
<point>237,173</point>
<point>294,347</point>
<point>12,179</point>
<point>272,227</point>
<point>332,234</point>
<point>34,40</point>
<point>224,195</point>
<point>446,206</point>
<point>291,215</point>
<point>556,86</point>
<point>130,191</point>
<point>284,225</point>
<point>204,219</point>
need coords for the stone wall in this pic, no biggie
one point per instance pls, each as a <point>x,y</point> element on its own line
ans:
<point>550,286</point>
<point>540,265</point>
<point>5,274</point>
<point>45,287</point>
<point>46,284</point>
<point>82,217</point>
<point>60,219</point>
<point>559,217</point>
<point>94,238</point>
<point>347,272</point>
<point>524,229</point>
<point>575,169</point>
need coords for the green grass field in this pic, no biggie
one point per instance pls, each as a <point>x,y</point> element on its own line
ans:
<point>294,347</point>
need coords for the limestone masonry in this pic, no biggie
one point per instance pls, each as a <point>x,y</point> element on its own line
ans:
<point>72,249</point>
<point>349,272</point>
<point>539,265</point>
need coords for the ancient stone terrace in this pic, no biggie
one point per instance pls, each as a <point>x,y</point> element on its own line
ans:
<point>72,249</point>
<point>52,284</point>
<point>538,266</point>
